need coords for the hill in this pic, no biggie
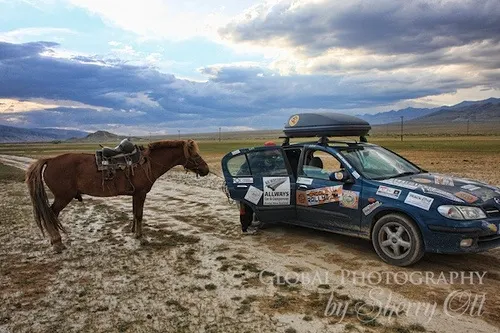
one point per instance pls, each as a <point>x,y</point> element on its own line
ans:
<point>19,134</point>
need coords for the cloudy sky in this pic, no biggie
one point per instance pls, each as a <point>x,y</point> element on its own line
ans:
<point>162,65</point>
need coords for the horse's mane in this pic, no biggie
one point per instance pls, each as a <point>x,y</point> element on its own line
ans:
<point>190,147</point>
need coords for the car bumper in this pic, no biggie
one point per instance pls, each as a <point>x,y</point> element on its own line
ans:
<point>447,239</point>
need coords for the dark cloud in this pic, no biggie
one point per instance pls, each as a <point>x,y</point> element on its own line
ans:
<point>382,26</point>
<point>116,94</point>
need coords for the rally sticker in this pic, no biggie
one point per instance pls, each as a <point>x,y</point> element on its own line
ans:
<point>247,180</point>
<point>401,183</point>
<point>388,192</point>
<point>492,227</point>
<point>253,195</point>
<point>305,181</point>
<point>344,160</point>
<point>349,199</point>
<point>422,180</point>
<point>236,152</point>
<point>466,196</point>
<point>441,180</point>
<point>471,187</point>
<point>276,190</point>
<point>371,207</point>
<point>417,200</point>
<point>356,174</point>
<point>441,193</point>
<point>319,196</point>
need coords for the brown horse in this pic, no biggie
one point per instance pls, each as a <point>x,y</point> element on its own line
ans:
<point>68,176</point>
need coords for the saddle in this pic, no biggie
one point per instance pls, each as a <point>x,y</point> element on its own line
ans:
<point>125,155</point>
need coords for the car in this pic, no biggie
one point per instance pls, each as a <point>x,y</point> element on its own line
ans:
<point>361,189</point>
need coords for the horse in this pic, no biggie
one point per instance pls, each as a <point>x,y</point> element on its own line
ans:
<point>70,175</point>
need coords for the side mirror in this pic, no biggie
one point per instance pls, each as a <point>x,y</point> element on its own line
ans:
<point>341,176</point>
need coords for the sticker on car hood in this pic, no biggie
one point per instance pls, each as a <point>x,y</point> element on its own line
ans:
<point>418,200</point>
<point>467,197</point>
<point>441,193</point>
<point>443,180</point>
<point>401,183</point>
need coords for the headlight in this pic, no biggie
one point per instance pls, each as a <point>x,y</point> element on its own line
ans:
<point>462,212</point>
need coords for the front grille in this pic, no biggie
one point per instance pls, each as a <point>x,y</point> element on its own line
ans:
<point>492,211</point>
<point>488,238</point>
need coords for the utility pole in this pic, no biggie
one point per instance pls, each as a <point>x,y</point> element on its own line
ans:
<point>468,121</point>
<point>220,129</point>
<point>402,118</point>
<point>179,133</point>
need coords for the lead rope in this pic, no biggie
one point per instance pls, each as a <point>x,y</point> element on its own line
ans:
<point>223,187</point>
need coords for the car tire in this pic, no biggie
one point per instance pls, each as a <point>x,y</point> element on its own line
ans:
<point>397,240</point>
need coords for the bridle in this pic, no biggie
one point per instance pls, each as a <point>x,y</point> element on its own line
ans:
<point>196,160</point>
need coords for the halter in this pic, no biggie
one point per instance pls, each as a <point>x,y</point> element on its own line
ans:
<point>194,160</point>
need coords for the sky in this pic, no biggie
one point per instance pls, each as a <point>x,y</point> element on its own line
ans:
<point>162,66</point>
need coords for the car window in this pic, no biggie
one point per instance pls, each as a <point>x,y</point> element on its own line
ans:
<point>268,162</point>
<point>319,164</point>
<point>238,166</point>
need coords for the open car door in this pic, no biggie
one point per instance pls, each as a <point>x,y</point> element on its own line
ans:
<point>262,179</point>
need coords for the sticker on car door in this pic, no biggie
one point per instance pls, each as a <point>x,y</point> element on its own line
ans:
<point>276,191</point>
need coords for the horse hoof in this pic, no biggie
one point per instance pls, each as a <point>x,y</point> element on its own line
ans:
<point>58,247</point>
<point>138,236</point>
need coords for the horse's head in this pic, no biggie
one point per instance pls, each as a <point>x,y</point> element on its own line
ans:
<point>194,162</point>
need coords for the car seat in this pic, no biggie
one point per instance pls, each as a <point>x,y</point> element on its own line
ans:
<point>316,162</point>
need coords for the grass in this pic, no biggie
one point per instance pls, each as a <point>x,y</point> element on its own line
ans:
<point>9,173</point>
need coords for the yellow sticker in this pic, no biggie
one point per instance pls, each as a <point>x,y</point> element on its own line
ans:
<point>294,120</point>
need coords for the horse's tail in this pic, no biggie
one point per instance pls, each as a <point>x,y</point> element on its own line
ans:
<point>44,215</point>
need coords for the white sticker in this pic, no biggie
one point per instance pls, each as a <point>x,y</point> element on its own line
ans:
<point>497,192</point>
<point>253,195</point>
<point>389,192</point>
<point>236,152</point>
<point>246,180</point>
<point>401,183</point>
<point>356,174</point>
<point>471,187</point>
<point>441,193</point>
<point>417,200</point>
<point>276,191</point>
<point>441,180</point>
<point>305,181</point>
<point>371,207</point>
<point>344,160</point>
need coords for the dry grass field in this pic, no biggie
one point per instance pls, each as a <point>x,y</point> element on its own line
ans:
<point>195,272</point>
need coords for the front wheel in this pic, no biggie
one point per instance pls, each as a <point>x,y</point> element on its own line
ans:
<point>397,240</point>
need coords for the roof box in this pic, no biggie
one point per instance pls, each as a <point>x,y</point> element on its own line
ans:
<point>325,124</point>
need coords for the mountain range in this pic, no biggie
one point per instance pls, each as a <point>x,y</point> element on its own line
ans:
<point>18,134</point>
<point>476,111</point>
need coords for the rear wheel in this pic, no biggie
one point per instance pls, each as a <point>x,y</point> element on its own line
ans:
<point>397,240</point>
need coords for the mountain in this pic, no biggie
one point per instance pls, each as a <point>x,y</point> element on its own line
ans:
<point>484,111</point>
<point>18,134</point>
<point>477,110</point>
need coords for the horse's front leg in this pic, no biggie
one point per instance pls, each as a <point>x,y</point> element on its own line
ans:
<point>139,199</point>
<point>132,223</point>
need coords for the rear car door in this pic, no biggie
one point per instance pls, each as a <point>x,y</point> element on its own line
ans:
<point>322,202</point>
<point>262,178</point>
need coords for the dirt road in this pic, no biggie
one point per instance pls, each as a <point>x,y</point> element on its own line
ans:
<point>195,272</point>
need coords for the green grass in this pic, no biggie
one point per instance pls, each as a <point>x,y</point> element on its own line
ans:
<point>8,173</point>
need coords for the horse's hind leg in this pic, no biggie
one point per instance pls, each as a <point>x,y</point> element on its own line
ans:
<point>55,237</point>
<point>132,223</point>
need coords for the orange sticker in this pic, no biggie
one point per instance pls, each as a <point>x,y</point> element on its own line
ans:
<point>293,121</point>
<point>466,196</point>
<point>301,198</point>
<point>422,180</point>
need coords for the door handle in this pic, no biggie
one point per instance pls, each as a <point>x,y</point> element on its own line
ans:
<point>303,186</point>
<point>242,186</point>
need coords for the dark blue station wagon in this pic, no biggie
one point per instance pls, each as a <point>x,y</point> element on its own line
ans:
<point>364,190</point>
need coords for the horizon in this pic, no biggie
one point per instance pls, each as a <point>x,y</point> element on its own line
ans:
<point>164,66</point>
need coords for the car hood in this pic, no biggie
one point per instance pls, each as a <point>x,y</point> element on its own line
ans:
<point>453,188</point>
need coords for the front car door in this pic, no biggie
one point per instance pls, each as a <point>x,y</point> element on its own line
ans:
<point>262,179</point>
<point>322,202</point>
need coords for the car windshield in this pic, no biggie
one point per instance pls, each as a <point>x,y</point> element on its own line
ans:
<point>375,162</point>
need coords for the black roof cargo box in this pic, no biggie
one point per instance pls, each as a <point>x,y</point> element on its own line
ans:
<point>325,124</point>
